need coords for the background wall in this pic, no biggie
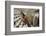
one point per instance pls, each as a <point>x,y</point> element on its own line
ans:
<point>2,18</point>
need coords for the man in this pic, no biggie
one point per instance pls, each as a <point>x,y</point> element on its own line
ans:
<point>25,19</point>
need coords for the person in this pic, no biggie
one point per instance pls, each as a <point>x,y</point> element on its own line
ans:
<point>25,19</point>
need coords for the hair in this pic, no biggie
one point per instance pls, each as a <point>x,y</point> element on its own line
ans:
<point>22,13</point>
